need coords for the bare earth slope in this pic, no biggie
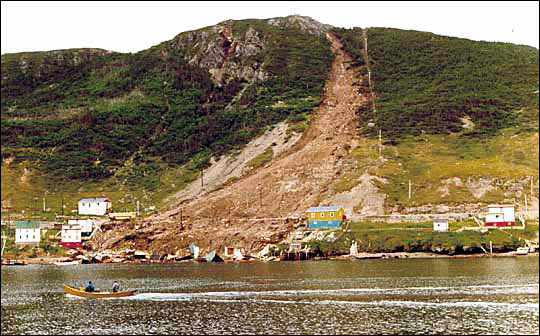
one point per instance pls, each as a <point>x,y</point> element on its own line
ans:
<point>258,208</point>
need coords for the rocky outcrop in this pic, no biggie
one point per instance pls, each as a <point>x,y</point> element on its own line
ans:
<point>230,54</point>
<point>225,53</point>
<point>304,23</point>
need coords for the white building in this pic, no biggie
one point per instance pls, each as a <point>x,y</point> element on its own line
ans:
<point>94,206</point>
<point>440,225</point>
<point>500,215</point>
<point>27,232</point>
<point>87,225</point>
<point>71,236</point>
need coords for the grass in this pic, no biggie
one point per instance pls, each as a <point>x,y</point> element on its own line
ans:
<point>419,237</point>
<point>429,160</point>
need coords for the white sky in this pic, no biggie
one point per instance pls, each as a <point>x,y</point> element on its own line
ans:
<point>134,26</point>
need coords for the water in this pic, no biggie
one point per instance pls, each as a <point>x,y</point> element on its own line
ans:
<point>402,296</point>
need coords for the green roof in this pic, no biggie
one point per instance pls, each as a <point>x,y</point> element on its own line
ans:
<point>27,224</point>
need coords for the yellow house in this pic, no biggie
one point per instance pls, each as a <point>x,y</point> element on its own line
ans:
<point>325,217</point>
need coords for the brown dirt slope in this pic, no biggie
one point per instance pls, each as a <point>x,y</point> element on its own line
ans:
<point>259,207</point>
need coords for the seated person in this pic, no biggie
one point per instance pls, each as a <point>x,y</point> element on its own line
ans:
<point>90,287</point>
<point>115,287</point>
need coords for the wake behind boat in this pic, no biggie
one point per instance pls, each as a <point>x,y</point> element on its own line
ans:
<point>96,295</point>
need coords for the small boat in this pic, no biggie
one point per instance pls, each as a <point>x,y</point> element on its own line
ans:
<point>522,250</point>
<point>13,262</point>
<point>65,263</point>
<point>96,295</point>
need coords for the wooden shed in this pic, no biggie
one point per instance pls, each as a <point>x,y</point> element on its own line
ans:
<point>440,225</point>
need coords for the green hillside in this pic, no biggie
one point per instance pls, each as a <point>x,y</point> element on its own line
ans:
<point>428,83</point>
<point>88,118</point>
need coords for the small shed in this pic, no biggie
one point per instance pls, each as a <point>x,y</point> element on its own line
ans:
<point>94,206</point>
<point>500,215</point>
<point>440,225</point>
<point>327,217</point>
<point>71,236</point>
<point>27,232</point>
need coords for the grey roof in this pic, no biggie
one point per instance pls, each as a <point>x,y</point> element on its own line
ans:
<point>324,208</point>
<point>94,200</point>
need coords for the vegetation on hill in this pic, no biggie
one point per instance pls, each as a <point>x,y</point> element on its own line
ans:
<point>91,115</point>
<point>426,83</point>
<point>426,88</point>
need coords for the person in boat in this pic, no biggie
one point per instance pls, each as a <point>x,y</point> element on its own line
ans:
<point>115,287</point>
<point>90,287</point>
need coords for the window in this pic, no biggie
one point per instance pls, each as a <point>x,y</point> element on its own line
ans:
<point>313,215</point>
<point>322,214</point>
<point>331,214</point>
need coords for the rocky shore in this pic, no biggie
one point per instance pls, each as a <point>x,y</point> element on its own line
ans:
<point>142,257</point>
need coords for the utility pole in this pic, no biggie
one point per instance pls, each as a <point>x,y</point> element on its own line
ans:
<point>62,203</point>
<point>202,177</point>
<point>409,189</point>
<point>380,143</point>
<point>526,207</point>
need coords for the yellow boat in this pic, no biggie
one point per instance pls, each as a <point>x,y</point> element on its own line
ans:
<point>96,295</point>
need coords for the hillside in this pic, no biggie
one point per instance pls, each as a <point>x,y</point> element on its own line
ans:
<point>276,116</point>
<point>131,122</point>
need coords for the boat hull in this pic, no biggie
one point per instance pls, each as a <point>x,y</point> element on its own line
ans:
<point>96,295</point>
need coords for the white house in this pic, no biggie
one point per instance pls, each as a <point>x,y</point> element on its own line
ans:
<point>71,236</point>
<point>27,232</point>
<point>87,225</point>
<point>440,225</point>
<point>94,206</point>
<point>500,215</point>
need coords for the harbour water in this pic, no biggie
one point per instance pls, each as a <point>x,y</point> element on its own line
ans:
<point>401,296</point>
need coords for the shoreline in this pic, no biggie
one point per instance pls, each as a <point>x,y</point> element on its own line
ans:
<point>360,256</point>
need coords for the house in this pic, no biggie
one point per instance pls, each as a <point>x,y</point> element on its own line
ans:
<point>440,225</point>
<point>27,232</point>
<point>87,225</point>
<point>94,206</point>
<point>71,236</point>
<point>500,215</point>
<point>328,217</point>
